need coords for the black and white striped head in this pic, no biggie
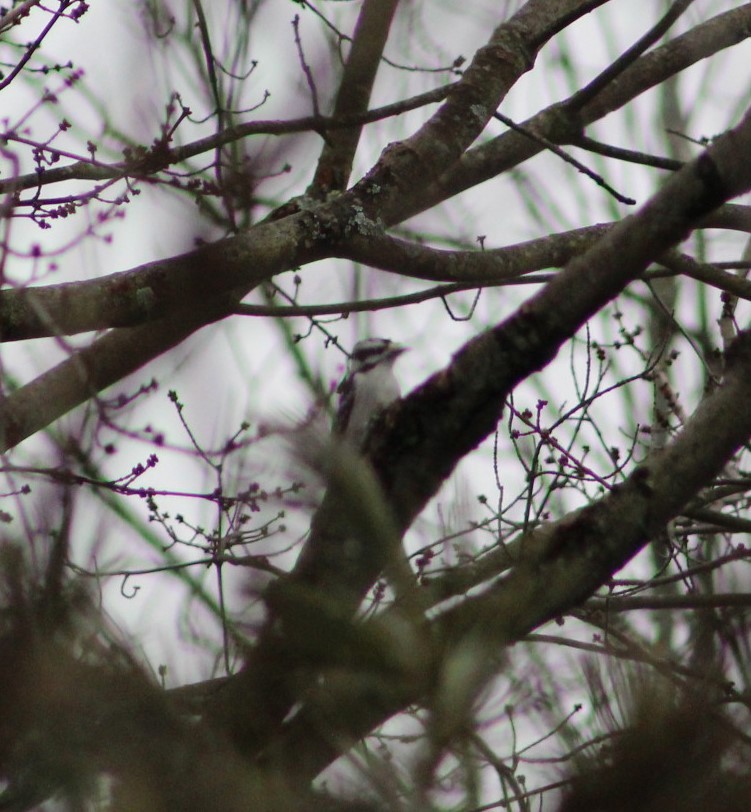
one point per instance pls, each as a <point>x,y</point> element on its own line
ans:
<point>372,352</point>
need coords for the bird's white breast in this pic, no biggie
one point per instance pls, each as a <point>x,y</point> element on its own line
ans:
<point>374,391</point>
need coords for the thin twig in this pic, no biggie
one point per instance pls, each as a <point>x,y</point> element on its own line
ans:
<point>556,150</point>
<point>305,67</point>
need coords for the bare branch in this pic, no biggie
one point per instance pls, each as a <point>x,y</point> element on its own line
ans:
<point>560,565</point>
<point>369,39</point>
<point>562,125</point>
<point>94,170</point>
<point>416,444</point>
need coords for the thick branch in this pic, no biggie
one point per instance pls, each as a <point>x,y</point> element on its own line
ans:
<point>562,564</point>
<point>373,24</point>
<point>240,263</point>
<point>417,261</point>
<point>157,289</point>
<point>563,123</point>
<point>146,293</point>
<point>327,222</point>
<point>154,290</point>
<point>418,441</point>
<point>449,415</point>
<point>406,167</point>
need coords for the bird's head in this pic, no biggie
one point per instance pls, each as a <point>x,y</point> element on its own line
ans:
<point>373,352</point>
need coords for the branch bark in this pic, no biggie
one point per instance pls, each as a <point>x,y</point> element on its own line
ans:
<point>563,124</point>
<point>418,441</point>
<point>558,567</point>
<point>309,234</point>
<point>335,164</point>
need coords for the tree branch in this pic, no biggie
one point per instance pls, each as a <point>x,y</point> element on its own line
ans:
<point>369,39</point>
<point>559,566</point>
<point>563,125</point>
<point>391,186</point>
<point>418,441</point>
<point>90,169</point>
<point>239,263</point>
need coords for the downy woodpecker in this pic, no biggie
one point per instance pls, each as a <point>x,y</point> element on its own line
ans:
<point>368,387</point>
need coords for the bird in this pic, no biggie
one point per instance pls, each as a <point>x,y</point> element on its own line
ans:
<point>367,388</point>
